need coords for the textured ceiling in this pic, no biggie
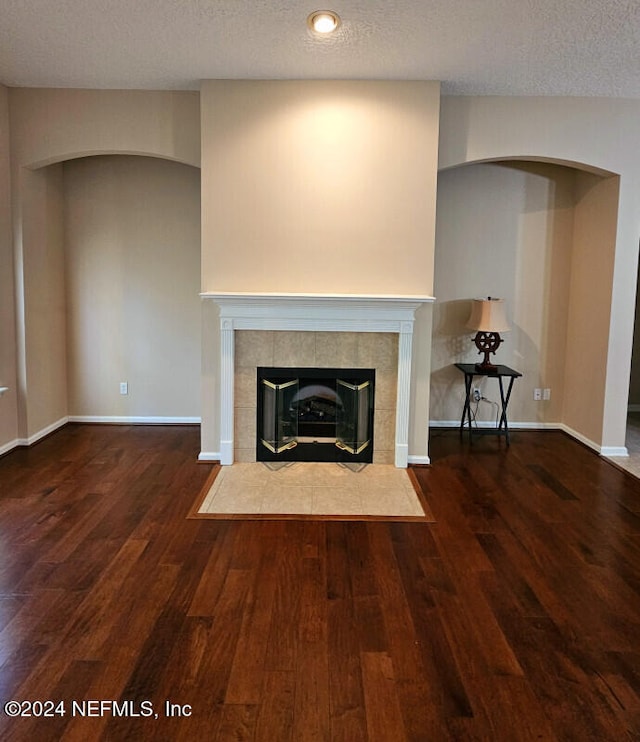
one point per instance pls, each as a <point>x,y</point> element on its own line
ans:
<point>475,47</point>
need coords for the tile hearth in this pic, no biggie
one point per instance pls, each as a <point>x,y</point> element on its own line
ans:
<point>313,489</point>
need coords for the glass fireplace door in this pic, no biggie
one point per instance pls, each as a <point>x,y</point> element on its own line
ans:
<point>353,431</point>
<point>279,426</point>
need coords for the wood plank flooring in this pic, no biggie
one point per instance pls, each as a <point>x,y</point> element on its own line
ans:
<point>516,616</point>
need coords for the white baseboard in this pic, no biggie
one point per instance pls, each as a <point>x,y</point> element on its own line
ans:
<point>215,456</point>
<point>444,423</point>
<point>615,452</point>
<point>491,424</point>
<point>10,446</point>
<point>134,420</point>
<point>209,456</point>
<point>609,451</point>
<point>226,452</point>
<point>45,431</point>
<point>579,437</point>
<point>18,442</point>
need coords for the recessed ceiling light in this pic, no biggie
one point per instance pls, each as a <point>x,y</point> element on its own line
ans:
<point>323,21</point>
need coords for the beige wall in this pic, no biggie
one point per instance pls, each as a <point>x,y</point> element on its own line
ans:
<point>318,187</point>
<point>132,239</point>
<point>43,366</point>
<point>8,371</point>
<point>542,237</point>
<point>504,230</point>
<point>590,302</point>
<point>322,187</point>
<point>595,134</point>
<point>378,181</point>
<point>48,127</point>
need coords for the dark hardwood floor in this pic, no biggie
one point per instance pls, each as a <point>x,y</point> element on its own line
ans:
<point>515,617</point>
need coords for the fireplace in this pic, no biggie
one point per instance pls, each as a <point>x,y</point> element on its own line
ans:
<point>315,414</point>
<point>320,330</point>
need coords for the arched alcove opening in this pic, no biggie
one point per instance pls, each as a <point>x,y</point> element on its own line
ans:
<point>541,235</point>
<point>110,266</point>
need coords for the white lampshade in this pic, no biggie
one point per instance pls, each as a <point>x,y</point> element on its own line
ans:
<point>488,315</point>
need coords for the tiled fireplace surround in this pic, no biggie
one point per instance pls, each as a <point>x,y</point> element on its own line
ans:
<point>315,350</point>
<point>315,331</point>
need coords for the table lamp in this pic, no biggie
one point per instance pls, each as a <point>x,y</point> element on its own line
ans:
<point>488,320</point>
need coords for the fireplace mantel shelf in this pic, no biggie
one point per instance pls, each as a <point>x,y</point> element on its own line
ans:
<point>329,312</point>
<point>249,296</point>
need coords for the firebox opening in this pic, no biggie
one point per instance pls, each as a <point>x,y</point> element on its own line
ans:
<point>315,414</point>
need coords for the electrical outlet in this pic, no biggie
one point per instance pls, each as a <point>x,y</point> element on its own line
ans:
<point>537,395</point>
<point>124,387</point>
<point>546,394</point>
<point>477,395</point>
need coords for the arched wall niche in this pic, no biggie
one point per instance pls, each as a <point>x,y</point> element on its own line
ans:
<point>541,233</point>
<point>51,129</point>
<point>602,133</point>
<point>107,277</point>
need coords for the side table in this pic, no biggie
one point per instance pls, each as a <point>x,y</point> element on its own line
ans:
<point>499,372</point>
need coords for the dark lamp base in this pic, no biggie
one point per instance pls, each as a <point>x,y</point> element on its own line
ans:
<point>486,343</point>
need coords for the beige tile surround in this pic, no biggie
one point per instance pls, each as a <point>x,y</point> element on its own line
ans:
<point>375,350</point>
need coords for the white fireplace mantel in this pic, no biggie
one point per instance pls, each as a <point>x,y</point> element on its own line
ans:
<point>316,313</point>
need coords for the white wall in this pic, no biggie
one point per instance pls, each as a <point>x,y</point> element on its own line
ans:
<point>132,240</point>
